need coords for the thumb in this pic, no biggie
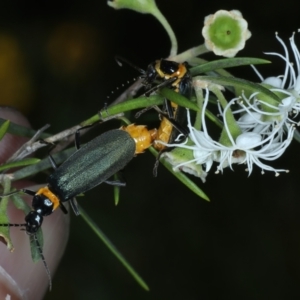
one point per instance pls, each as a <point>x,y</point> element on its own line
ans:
<point>20,277</point>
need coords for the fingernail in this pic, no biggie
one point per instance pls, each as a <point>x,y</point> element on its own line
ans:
<point>14,115</point>
<point>9,288</point>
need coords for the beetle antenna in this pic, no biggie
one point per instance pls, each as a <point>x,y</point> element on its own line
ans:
<point>123,86</point>
<point>13,225</point>
<point>43,259</point>
<point>25,191</point>
<point>120,59</point>
<point>10,194</point>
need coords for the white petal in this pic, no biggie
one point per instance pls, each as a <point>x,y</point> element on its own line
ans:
<point>297,85</point>
<point>248,140</point>
<point>202,139</point>
<point>201,155</point>
<point>273,81</point>
<point>250,118</point>
<point>288,102</point>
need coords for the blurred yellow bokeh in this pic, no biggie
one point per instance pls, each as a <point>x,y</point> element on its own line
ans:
<point>15,81</point>
<point>73,50</point>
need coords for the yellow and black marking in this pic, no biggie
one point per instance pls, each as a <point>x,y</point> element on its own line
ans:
<point>47,194</point>
<point>176,76</point>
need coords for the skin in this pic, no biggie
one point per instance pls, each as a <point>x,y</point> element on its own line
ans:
<point>19,276</point>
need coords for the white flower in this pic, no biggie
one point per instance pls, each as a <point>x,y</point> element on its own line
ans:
<point>271,148</point>
<point>286,86</point>
<point>265,141</point>
<point>248,147</point>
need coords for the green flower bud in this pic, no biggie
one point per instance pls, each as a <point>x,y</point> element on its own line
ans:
<point>225,32</point>
<point>183,159</point>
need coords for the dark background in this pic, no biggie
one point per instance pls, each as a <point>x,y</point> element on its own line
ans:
<point>57,66</point>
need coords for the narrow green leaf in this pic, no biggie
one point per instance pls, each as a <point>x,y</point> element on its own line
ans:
<point>127,105</point>
<point>35,253</point>
<point>3,129</point>
<point>182,177</point>
<point>136,103</point>
<point>113,249</point>
<point>4,231</point>
<point>226,63</point>
<point>20,163</point>
<point>22,205</point>
<point>19,130</point>
<point>178,99</point>
<point>117,195</point>
<point>241,84</point>
<point>116,191</point>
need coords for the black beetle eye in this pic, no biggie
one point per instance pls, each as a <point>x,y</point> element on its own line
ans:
<point>34,221</point>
